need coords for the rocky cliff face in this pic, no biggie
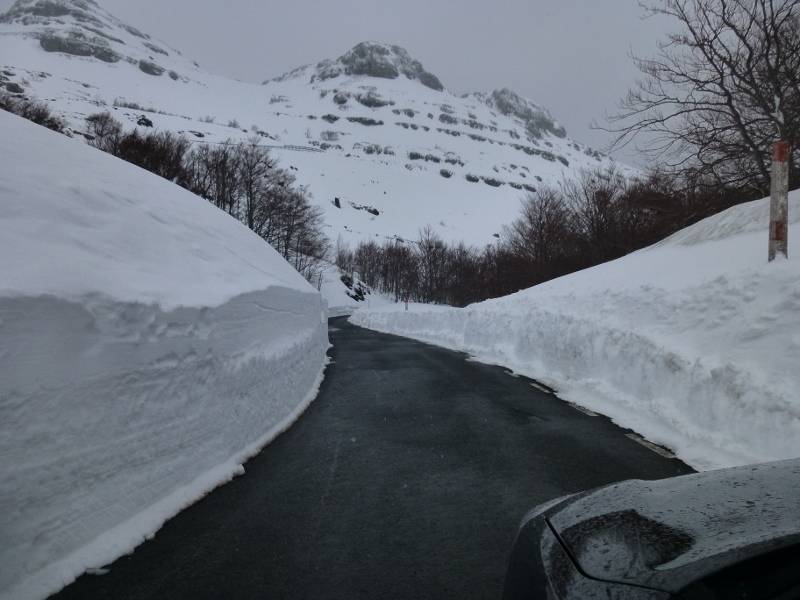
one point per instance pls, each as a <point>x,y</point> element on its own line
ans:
<point>538,121</point>
<point>373,59</point>
<point>81,28</point>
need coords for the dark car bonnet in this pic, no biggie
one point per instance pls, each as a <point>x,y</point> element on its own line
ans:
<point>673,532</point>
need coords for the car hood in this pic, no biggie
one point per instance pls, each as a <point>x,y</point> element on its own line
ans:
<point>667,534</point>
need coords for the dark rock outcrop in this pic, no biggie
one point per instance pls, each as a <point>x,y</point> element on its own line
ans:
<point>373,59</point>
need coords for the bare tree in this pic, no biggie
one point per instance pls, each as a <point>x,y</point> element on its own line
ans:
<point>542,232</point>
<point>399,270</point>
<point>432,259</point>
<point>721,89</point>
<point>197,173</point>
<point>224,177</point>
<point>367,261</point>
<point>255,167</point>
<point>161,153</point>
<point>345,260</point>
<point>105,132</point>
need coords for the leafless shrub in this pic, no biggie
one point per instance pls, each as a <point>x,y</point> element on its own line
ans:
<point>37,112</point>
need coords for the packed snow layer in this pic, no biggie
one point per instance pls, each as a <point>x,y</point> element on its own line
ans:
<point>694,342</point>
<point>149,344</point>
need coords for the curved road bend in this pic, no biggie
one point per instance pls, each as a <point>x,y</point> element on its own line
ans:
<point>406,478</point>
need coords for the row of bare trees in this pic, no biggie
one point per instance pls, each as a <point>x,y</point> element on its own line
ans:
<point>598,217</point>
<point>428,270</point>
<point>240,178</point>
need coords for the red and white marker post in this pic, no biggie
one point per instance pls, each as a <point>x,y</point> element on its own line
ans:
<point>779,203</point>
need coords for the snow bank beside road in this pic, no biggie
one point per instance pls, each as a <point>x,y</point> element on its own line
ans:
<point>149,344</point>
<point>694,342</point>
<point>343,300</point>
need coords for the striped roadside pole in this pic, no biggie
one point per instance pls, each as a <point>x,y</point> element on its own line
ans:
<point>779,201</point>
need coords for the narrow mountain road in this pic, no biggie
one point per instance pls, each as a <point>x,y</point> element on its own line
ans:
<point>406,478</point>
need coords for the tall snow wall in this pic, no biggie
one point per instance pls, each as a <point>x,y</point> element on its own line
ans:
<point>149,344</point>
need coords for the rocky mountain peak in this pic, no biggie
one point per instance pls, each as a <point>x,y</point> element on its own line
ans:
<point>376,59</point>
<point>54,12</point>
<point>83,28</point>
<point>537,119</point>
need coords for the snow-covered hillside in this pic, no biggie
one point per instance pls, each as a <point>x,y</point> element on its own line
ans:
<point>693,342</point>
<point>371,128</point>
<point>149,344</point>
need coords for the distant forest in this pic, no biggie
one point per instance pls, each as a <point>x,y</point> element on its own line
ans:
<point>596,218</point>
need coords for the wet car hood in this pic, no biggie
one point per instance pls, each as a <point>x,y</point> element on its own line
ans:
<point>667,534</point>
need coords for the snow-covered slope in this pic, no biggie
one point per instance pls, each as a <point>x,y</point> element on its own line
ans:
<point>693,342</point>
<point>149,344</point>
<point>372,128</point>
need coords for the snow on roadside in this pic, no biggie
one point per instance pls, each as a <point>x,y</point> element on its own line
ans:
<point>149,344</point>
<point>336,293</point>
<point>693,343</point>
<point>343,300</point>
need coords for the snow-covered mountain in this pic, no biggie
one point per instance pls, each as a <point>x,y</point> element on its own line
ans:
<point>381,144</point>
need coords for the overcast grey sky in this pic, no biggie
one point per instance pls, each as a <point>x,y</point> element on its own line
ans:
<point>568,55</point>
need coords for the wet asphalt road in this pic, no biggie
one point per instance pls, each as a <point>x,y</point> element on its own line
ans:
<point>406,478</point>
